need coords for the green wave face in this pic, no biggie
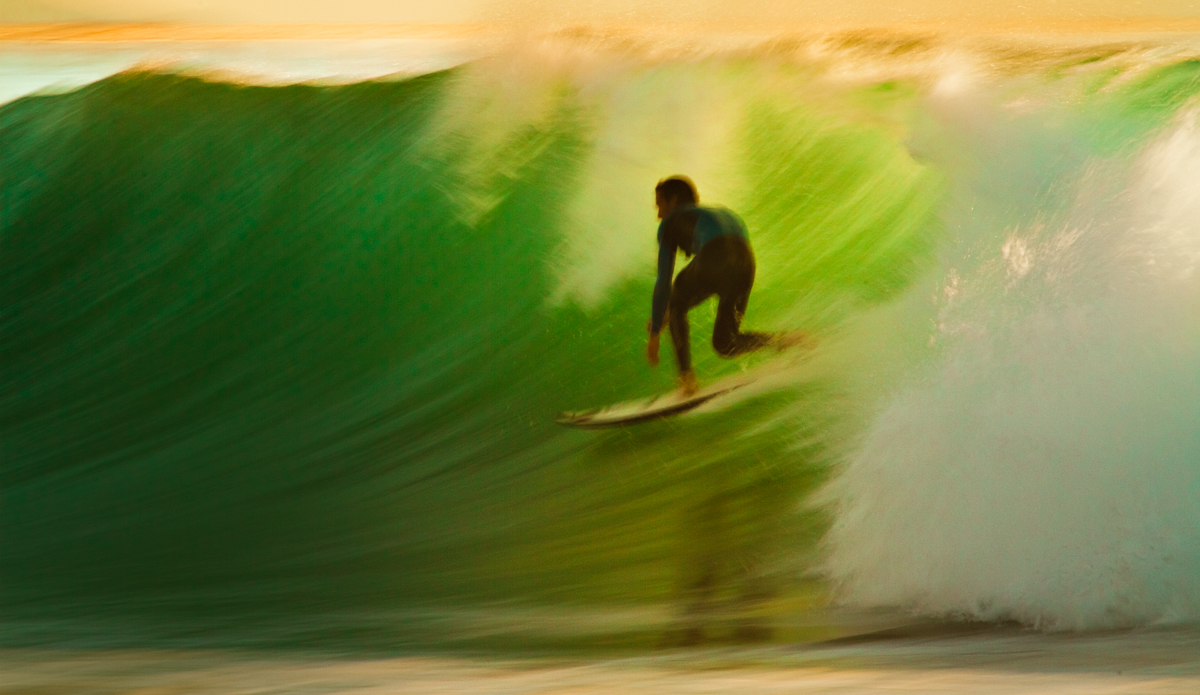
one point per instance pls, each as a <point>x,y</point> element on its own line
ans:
<point>281,364</point>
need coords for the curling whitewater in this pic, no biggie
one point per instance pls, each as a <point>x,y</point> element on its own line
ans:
<point>1045,466</point>
<point>281,362</point>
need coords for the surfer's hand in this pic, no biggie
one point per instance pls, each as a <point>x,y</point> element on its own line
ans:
<point>652,349</point>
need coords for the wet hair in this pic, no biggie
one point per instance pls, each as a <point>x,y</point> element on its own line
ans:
<point>680,187</point>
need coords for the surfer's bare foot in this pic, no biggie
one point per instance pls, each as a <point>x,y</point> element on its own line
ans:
<point>688,384</point>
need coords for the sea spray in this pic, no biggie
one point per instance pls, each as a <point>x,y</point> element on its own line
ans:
<point>1046,465</point>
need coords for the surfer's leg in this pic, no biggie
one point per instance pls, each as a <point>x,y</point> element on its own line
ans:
<point>687,291</point>
<point>728,339</point>
<point>679,337</point>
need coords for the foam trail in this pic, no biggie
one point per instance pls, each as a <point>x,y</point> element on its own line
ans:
<point>1047,469</point>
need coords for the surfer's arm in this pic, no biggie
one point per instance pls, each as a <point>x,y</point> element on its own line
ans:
<point>652,344</point>
<point>662,286</point>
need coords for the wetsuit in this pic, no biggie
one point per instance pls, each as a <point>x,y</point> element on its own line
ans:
<point>723,265</point>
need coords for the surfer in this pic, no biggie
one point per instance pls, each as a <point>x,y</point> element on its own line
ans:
<point>723,265</point>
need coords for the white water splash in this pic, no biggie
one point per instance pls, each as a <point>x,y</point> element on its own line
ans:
<point>1047,469</point>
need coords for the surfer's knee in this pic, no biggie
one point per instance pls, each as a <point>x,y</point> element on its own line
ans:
<point>724,344</point>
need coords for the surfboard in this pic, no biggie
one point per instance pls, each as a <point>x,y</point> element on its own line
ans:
<point>773,374</point>
<point>654,408</point>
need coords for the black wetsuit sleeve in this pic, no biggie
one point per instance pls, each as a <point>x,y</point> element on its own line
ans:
<point>662,286</point>
<point>674,234</point>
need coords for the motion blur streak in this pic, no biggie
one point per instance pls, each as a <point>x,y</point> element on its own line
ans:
<point>281,362</point>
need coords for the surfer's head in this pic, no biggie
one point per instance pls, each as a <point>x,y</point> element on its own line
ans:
<point>672,192</point>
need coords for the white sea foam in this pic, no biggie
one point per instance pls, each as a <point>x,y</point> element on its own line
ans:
<point>1046,468</point>
<point>648,125</point>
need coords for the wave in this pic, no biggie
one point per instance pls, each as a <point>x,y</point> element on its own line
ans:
<point>292,353</point>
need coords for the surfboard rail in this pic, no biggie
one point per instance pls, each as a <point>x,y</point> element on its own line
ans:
<point>654,408</point>
<point>674,403</point>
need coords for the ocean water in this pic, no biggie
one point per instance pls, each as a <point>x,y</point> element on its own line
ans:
<point>281,361</point>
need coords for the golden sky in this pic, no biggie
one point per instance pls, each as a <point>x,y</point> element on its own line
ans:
<point>370,11</point>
